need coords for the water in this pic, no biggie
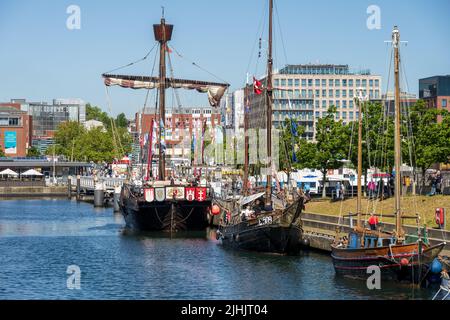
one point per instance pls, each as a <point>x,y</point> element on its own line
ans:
<point>39,239</point>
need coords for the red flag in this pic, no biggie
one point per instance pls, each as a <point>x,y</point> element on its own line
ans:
<point>257,86</point>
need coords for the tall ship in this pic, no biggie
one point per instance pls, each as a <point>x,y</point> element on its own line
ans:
<point>262,221</point>
<point>399,257</point>
<point>157,201</point>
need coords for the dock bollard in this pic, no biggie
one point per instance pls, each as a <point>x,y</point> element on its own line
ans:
<point>99,195</point>
<point>78,187</point>
<point>69,187</point>
<point>117,191</point>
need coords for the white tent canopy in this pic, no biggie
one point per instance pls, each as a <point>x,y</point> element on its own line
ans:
<point>8,172</point>
<point>31,172</point>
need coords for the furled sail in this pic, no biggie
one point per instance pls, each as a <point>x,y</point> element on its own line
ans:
<point>214,90</point>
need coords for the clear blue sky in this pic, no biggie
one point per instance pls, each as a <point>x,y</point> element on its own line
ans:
<point>41,59</point>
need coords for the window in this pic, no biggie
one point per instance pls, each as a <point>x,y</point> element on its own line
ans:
<point>350,93</point>
<point>310,82</point>
<point>344,93</point>
<point>338,93</point>
<point>283,82</point>
<point>324,103</point>
<point>330,93</point>
<point>377,94</point>
<point>303,82</point>
<point>317,103</point>
<point>371,83</point>
<point>297,94</point>
<point>364,82</point>
<point>297,82</point>
<point>371,94</point>
<point>350,103</point>
<point>330,103</point>
<point>344,115</point>
<point>358,82</point>
<point>290,82</point>
<point>277,82</point>
<point>317,93</point>
<point>310,93</point>
<point>338,103</point>
<point>344,82</point>
<point>324,82</point>
<point>337,83</point>
<point>303,93</point>
<point>444,103</point>
<point>377,83</point>
<point>324,93</point>
<point>330,82</point>
<point>317,82</point>
<point>350,82</point>
<point>344,103</point>
<point>317,114</point>
<point>13,121</point>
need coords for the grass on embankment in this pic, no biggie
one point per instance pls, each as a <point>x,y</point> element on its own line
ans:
<point>425,206</point>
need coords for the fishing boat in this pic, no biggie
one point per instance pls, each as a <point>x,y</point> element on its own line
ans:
<point>398,257</point>
<point>161,203</point>
<point>262,222</point>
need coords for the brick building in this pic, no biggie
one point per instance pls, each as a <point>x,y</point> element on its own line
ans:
<point>15,130</point>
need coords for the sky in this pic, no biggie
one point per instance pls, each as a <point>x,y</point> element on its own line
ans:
<point>42,59</point>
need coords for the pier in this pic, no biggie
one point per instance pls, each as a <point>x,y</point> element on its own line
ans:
<point>320,230</point>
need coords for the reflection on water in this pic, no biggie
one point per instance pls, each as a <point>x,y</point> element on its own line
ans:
<point>40,238</point>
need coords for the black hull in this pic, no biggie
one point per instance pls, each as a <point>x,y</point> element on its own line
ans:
<point>266,239</point>
<point>169,215</point>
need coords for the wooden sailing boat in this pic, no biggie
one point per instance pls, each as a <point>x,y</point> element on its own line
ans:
<point>163,205</point>
<point>261,222</point>
<point>397,258</point>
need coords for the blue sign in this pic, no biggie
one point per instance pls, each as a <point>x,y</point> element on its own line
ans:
<point>10,142</point>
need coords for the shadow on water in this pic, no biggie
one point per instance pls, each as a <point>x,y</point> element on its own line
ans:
<point>208,234</point>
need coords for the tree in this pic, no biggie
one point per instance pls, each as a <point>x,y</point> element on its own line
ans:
<point>332,144</point>
<point>121,121</point>
<point>2,153</point>
<point>430,139</point>
<point>33,152</point>
<point>95,113</point>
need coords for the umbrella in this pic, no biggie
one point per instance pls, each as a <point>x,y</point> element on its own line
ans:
<point>8,172</point>
<point>32,172</point>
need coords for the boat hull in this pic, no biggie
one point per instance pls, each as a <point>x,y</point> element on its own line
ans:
<point>267,239</point>
<point>168,215</point>
<point>398,262</point>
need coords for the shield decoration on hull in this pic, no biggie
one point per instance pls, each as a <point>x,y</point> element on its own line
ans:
<point>200,194</point>
<point>160,194</point>
<point>175,193</point>
<point>190,194</point>
<point>149,194</point>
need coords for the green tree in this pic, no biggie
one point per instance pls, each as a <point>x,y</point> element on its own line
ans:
<point>96,145</point>
<point>33,152</point>
<point>430,139</point>
<point>332,143</point>
<point>95,113</point>
<point>121,121</point>
<point>67,137</point>
<point>2,153</point>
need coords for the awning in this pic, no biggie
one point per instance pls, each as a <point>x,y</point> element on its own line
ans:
<point>8,172</point>
<point>31,172</point>
<point>251,198</point>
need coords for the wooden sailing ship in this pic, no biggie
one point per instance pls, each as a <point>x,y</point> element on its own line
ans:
<point>262,222</point>
<point>162,204</point>
<point>397,258</point>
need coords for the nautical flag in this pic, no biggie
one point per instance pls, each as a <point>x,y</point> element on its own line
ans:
<point>257,86</point>
<point>163,136</point>
<point>294,156</point>
<point>294,128</point>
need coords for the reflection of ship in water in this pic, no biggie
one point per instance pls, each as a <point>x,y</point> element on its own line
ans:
<point>207,234</point>
<point>161,204</point>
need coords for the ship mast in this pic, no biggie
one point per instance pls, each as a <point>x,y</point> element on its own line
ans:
<point>269,110</point>
<point>359,196</point>
<point>396,44</point>
<point>246,105</point>
<point>163,34</point>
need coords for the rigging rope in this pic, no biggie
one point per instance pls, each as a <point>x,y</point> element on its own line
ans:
<point>134,62</point>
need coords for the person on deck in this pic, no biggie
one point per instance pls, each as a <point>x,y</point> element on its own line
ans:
<point>373,221</point>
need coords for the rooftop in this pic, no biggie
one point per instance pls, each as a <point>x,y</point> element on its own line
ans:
<point>319,69</point>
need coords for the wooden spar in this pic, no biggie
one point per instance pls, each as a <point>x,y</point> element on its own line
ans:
<point>398,155</point>
<point>169,81</point>
<point>359,196</point>
<point>163,33</point>
<point>269,111</point>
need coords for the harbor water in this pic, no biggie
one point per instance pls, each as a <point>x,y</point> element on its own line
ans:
<point>40,239</point>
